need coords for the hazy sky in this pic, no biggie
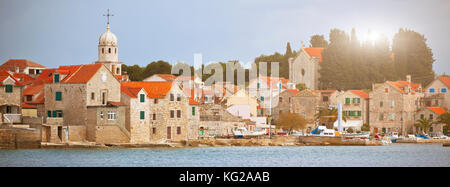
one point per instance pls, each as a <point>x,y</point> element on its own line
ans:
<point>63,32</point>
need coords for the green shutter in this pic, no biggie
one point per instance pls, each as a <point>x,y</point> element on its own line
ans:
<point>54,113</point>
<point>56,78</point>
<point>142,114</point>
<point>142,98</point>
<point>58,96</point>
<point>193,111</point>
<point>347,100</point>
<point>8,88</point>
<point>49,114</point>
<point>359,113</point>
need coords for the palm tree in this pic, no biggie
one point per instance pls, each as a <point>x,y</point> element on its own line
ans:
<point>424,124</point>
<point>445,119</point>
<point>328,116</point>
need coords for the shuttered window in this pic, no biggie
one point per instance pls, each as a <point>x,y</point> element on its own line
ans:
<point>56,78</point>
<point>193,111</point>
<point>142,97</point>
<point>8,88</point>
<point>58,96</point>
<point>142,115</point>
<point>347,100</point>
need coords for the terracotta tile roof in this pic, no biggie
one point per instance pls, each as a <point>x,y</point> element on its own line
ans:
<point>167,77</point>
<point>46,75</point>
<point>401,85</point>
<point>34,88</point>
<point>360,93</point>
<point>445,80</point>
<point>25,105</point>
<point>4,75</point>
<point>314,52</point>
<point>193,102</point>
<point>11,64</point>
<point>131,92</point>
<point>437,110</point>
<point>22,77</point>
<point>80,73</point>
<point>153,89</point>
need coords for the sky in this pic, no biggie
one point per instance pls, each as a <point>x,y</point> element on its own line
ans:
<point>66,32</point>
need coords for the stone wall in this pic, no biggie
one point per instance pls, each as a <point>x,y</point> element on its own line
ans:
<point>73,99</point>
<point>15,138</point>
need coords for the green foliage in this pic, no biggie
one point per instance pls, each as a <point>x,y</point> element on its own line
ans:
<point>365,127</point>
<point>424,124</point>
<point>445,119</point>
<point>301,86</point>
<point>350,130</point>
<point>318,41</point>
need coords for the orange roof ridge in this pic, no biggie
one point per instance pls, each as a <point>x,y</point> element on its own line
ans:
<point>360,93</point>
<point>445,80</point>
<point>437,110</point>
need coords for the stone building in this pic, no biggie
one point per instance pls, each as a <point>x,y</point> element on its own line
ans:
<point>216,121</point>
<point>437,93</point>
<point>10,99</point>
<point>25,66</point>
<point>431,113</point>
<point>393,105</point>
<point>304,68</point>
<point>355,108</point>
<point>159,112</point>
<point>306,103</point>
<point>108,52</point>
<point>284,103</point>
<point>84,102</point>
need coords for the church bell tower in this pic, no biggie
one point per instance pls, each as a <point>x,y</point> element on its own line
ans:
<point>108,51</point>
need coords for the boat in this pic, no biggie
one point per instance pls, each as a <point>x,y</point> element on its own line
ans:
<point>423,136</point>
<point>323,131</point>
<point>242,132</point>
<point>363,135</point>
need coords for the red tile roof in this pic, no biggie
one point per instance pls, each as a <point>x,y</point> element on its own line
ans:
<point>80,73</point>
<point>314,52</point>
<point>445,80</point>
<point>46,75</point>
<point>153,89</point>
<point>25,105</point>
<point>167,77</point>
<point>401,85</point>
<point>437,110</point>
<point>34,88</point>
<point>360,93</point>
<point>11,64</point>
<point>22,77</point>
<point>131,92</point>
<point>4,75</point>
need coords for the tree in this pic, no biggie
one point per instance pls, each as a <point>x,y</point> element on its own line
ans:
<point>288,50</point>
<point>134,72</point>
<point>445,119</point>
<point>158,67</point>
<point>291,121</point>
<point>301,86</point>
<point>413,56</point>
<point>424,124</point>
<point>318,41</point>
<point>365,127</point>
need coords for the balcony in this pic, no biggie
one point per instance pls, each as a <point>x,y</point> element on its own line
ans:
<point>12,118</point>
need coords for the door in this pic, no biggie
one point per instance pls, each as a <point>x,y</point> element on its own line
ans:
<point>169,133</point>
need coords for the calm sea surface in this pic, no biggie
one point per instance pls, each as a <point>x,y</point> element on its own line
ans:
<point>392,155</point>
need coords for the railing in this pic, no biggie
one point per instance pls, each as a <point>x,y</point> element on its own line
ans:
<point>12,118</point>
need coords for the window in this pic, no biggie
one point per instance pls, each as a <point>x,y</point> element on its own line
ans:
<point>115,50</point>
<point>29,97</point>
<point>142,115</point>
<point>8,88</point>
<point>381,117</point>
<point>142,97</point>
<point>58,96</point>
<point>193,111</point>
<point>154,130</point>
<point>431,116</point>
<point>178,130</point>
<point>431,90</point>
<point>49,113</point>
<point>347,100</point>
<point>154,116</point>
<point>258,85</point>
<point>443,90</point>
<point>112,115</point>
<point>178,113</point>
<point>381,103</point>
<point>102,114</point>
<point>178,97</point>
<point>104,98</point>
<point>392,117</point>
<point>56,78</point>
<point>171,97</point>
<point>92,96</point>
<point>280,99</point>
<point>109,50</point>
<point>155,101</point>
<point>422,116</point>
<point>172,114</point>
<point>59,113</point>
<point>356,100</point>
<point>325,98</point>
<point>392,103</point>
<point>262,98</point>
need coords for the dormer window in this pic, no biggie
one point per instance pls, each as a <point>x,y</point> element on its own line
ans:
<point>56,78</point>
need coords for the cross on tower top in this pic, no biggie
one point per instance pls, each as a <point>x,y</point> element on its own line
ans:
<point>107,16</point>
